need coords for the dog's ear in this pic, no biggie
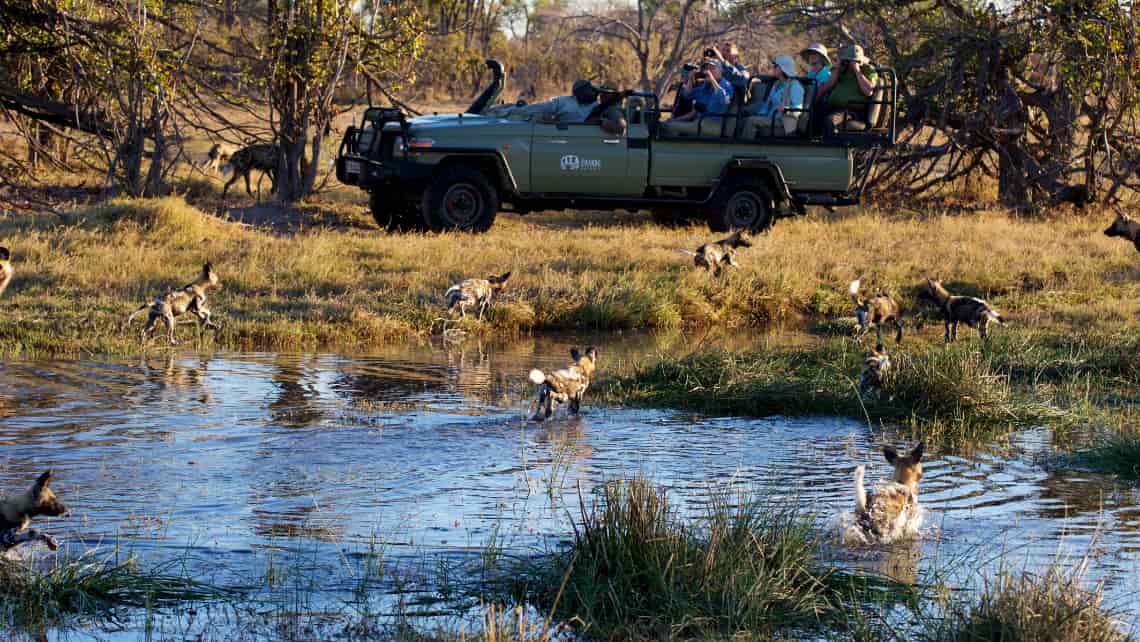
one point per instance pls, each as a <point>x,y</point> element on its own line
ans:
<point>41,483</point>
<point>890,453</point>
<point>4,255</point>
<point>574,354</point>
<point>592,352</point>
<point>916,454</point>
<point>500,279</point>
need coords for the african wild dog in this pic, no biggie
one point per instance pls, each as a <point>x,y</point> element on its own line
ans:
<point>565,385</point>
<point>218,156</point>
<point>474,293</point>
<point>6,270</point>
<point>888,512</point>
<point>17,511</point>
<point>1125,226</point>
<point>260,156</point>
<point>879,309</point>
<point>191,298</point>
<point>972,311</point>
<point>714,256</point>
<point>877,371</point>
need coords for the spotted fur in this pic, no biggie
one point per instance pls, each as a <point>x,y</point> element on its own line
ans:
<point>877,310</point>
<point>17,511</point>
<point>1125,227</point>
<point>218,157</point>
<point>884,514</point>
<point>191,298</point>
<point>475,293</point>
<point>567,385</point>
<point>6,271</point>
<point>972,311</point>
<point>716,255</point>
<point>261,156</point>
<point>878,371</point>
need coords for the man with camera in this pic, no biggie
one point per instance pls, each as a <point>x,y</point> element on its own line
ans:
<point>708,91</point>
<point>848,90</point>
<point>729,57</point>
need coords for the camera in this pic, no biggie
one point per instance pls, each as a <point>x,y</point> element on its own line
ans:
<point>710,53</point>
<point>701,75</point>
<point>688,66</point>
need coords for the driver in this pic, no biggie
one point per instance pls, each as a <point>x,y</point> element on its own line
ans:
<point>574,108</point>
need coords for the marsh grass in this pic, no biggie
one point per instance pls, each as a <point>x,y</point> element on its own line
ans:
<point>1053,604</point>
<point>92,588</point>
<point>638,569</point>
<point>329,279</point>
<point>1118,454</point>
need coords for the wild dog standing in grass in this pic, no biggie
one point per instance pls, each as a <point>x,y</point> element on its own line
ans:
<point>877,371</point>
<point>714,256</point>
<point>191,298</point>
<point>474,293</point>
<point>261,156</point>
<point>218,156</point>
<point>891,511</point>
<point>878,310</point>
<point>17,511</point>
<point>6,270</point>
<point>1124,226</point>
<point>566,385</point>
<point>972,311</point>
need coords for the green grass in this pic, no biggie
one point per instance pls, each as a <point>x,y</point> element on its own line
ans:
<point>746,569</point>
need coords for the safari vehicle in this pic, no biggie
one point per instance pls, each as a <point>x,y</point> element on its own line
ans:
<point>455,171</point>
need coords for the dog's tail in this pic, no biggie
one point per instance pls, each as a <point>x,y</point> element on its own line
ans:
<point>853,290</point>
<point>452,296</point>
<point>132,315</point>
<point>536,376</point>
<point>993,314</point>
<point>860,492</point>
<point>687,252</point>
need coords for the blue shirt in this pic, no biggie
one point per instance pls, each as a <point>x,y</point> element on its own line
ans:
<point>734,74</point>
<point>776,96</point>
<point>714,97</point>
<point>820,76</point>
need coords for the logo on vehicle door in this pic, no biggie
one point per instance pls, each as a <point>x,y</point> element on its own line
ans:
<point>571,163</point>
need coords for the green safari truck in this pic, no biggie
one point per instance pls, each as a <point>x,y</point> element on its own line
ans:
<point>456,171</point>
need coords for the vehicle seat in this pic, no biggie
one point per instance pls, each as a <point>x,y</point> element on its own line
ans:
<point>710,127</point>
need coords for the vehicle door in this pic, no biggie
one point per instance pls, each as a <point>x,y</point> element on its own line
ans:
<point>580,159</point>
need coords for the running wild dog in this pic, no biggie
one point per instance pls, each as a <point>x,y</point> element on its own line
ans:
<point>879,309</point>
<point>888,512</point>
<point>261,156</point>
<point>566,385</point>
<point>714,256</point>
<point>218,156</point>
<point>17,511</point>
<point>972,311</point>
<point>474,293</point>
<point>6,270</point>
<point>191,298</point>
<point>877,371</point>
<point>1126,227</point>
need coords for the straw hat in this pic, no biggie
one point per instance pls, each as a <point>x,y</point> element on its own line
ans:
<point>854,53</point>
<point>818,48</point>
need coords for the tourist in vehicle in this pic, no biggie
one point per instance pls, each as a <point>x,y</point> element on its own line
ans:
<point>705,88</point>
<point>817,61</point>
<point>777,113</point>
<point>728,54</point>
<point>850,87</point>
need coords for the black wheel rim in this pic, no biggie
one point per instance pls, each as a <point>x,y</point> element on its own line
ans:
<point>462,205</point>
<point>745,210</point>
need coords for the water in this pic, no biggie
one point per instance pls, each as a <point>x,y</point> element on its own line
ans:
<point>244,465</point>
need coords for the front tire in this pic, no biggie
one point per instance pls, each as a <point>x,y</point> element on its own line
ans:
<point>741,203</point>
<point>460,198</point>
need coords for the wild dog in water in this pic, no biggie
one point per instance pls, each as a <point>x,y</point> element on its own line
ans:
<point>218,156</point>
<point>474,293</point>
<point>877,371</point>
<point>878,310</point>
<point>191,298</point>
<point>885,514</point>
<point>714,256</point>
<point>261,156</point>
<point>566,385</point>
<point>17,511</point>
<point>972,311</point>
<point>6,270</point>
<point>1124,226</point>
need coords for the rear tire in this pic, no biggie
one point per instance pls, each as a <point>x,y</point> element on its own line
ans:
<point>460,198</point>
<point>395,216</point>
<point>741,202</point>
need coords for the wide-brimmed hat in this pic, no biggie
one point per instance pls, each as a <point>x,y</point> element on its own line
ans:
<point>853,52</point>
<point>817,48</point>
<point>786,65</point>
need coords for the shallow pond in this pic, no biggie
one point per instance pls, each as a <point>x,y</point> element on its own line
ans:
<point>297,467</point>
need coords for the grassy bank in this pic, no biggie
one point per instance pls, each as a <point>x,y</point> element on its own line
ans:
<point>953,394</point>
<point>332,280</point>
